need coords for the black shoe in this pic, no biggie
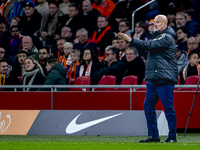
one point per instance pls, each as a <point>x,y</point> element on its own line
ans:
<point>150,139</point>
<point>168,140</point>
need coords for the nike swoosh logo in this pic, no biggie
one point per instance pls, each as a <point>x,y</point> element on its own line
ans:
<point>73,127</point>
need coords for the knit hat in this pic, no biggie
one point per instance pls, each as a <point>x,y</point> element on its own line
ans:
<point>151,22</point>
<point>29,4</point>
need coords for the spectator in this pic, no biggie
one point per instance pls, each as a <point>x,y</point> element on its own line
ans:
<point>16,41</point>
<point>56,74</point>
<point>82,41</point>
<point>30,21</point>
<point>192,22</point>
<point>171,16</point>
<point>182,37</point>
<point>180,19</point>
<point>18,9</point>
<point>34,74</point>
<point>193,46</point>
<point>103,36</point>
<point>44,54</point>
<point>66,33</point>
<point>197,36</point>
<point>151,30</point>
<point>139,32</point>
<point>64,6</point>
<point>115,42</point>
<point>29,47</point>
<point>60,45</point>
<point>21,56</point>
<point>14,22</point>
<point>6,7</point>
<point>193,68</point>
<point>7,76</point>
<point>43,7</point>
<point>182,59</point>
<point>113,66</point>
<point>72,72</point>
<point>134,64</point>
<point>89,17</point>
<point>89,64</point>
<point>50,21</point>
<point>72,19</point>
<point>123,45</point>
<point>65,60</point>
<point>105,7</point>
<point>124,27</point>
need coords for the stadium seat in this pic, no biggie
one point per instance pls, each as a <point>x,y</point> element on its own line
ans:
<point>128,80</point>
<point>83,80</point>
<point>142,89</point>
<point>107,80</point>
<point>191,80</point>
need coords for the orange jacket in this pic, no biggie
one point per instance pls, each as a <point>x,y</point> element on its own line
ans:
<point>105,8</point>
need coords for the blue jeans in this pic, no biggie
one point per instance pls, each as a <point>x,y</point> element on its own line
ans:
<point>163,91</point>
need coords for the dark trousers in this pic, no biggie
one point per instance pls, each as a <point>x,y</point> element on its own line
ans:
<point>163,91</point>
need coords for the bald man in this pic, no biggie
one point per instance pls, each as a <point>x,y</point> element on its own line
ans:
<point>161,74</point>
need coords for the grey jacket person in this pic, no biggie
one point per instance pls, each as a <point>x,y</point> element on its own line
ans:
<point>161,64</point>
<point>182,61</point>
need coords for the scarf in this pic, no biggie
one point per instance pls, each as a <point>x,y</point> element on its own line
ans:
<point>29,74</point>
<point>2,7</point>
<point>137,36</point>
<point>100,36</point>
<point>3,78</point>
<point>72,71</point>
<point>121,54</point>
<point>66,62</point>
<point>87,71</point>
<point>186,69</point>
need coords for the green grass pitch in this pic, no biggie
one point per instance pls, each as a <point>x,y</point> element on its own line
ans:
<point>69,142</point>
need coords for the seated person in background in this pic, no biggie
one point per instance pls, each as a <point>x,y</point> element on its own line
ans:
<point>7,76</point>
<point>134,64</point>
<point>64,6</point>
<point>66,33</point>
<point>182,38</point>
<point>82,41</point>
<point>182,59</point>
<point>140,30</point>
<point>115,42</point>
<point>193,46</point>
<point>124,27</point>
<point>113,66</point>
<point>60,45</point>
<point>65,60</point>
<point>16,41</point>
<point>56,74</point>
<point>151,30</point>
<point>29,47</point>
<point>43,7</point>
<point>44,54</point>
<point>193,68</point>
<point>21,56</point>
<point>34,74</point>
<point>89,64</point>
<point>123,45</point>
<point>14,22</point>
<point>72,72</point>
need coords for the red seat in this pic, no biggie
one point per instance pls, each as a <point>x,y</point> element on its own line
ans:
<point>191,80</point>
<point>142,89</point>
<point>128,80</point>
<point>83,80</point>
<point>107,80</point>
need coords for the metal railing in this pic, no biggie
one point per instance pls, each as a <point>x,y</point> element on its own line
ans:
<point>133,14</point>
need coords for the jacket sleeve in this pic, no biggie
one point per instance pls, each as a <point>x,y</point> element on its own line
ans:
<point>161,43</point>
<point>115,69</point>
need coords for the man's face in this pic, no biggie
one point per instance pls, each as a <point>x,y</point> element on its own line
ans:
<point>171,17</point>
<point>43,54</point>
<point>192,43</point>
<point>138,29</point>
<point>53,9</point>
<point>109,56</point>
<point>115,43</point>
<point>123,27</point>
<point>27,44</point>
<point>82,38</point>
<point>21,58</point>
<point>2,28</point>
<point>180,21</point>
<point>130,56</point>
<point>14,32</point>
<point>178,54</point>
<point>86,6</point>
<point>2,53</point>
<point>74,58</point>
<point>122,45</point>
<point>72,12</point>
<point>60,45</point>
<point>29,11</point>
<point>101,22</point>
<point>66,32</point>
<point>180,34</point>
<point>3,67</point>
<point>159,24</point>
<point>197,37</point>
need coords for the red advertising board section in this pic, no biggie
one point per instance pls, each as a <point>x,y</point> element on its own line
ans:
<point>99,101</point>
